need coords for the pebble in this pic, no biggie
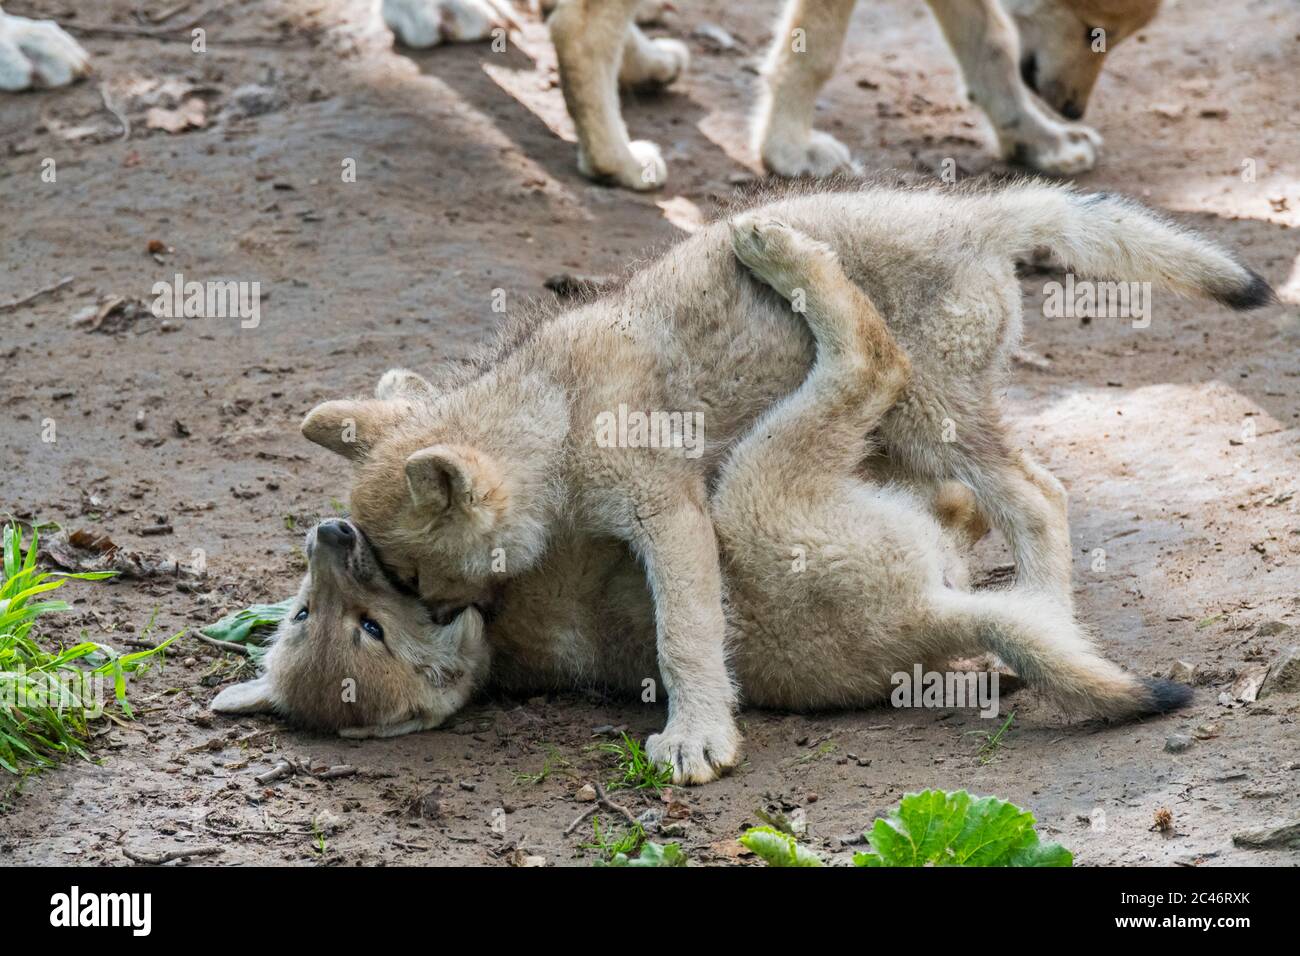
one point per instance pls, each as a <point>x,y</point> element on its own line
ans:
<point>1177,743</point>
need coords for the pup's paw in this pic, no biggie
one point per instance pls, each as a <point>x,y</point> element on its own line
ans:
<point>1056,149</point>
<point>37,53</point>
<point>420,24</point>
<point>644,168</point>
<point>819,155</point>
<point>655,64</point>
<point>782,257</point>
<point>696,750</point>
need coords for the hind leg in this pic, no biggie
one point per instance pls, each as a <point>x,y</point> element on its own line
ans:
<point>938,437</point>
<point>825,570</point>
<point>860,370</point>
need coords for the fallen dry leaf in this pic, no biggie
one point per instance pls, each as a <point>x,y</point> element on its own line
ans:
<point>192,114</point>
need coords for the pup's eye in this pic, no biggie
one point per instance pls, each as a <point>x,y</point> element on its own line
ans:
<point>372,628</point>
<point>300,616</point>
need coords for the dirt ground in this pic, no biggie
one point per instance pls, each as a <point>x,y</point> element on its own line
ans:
<point>1177,442</point>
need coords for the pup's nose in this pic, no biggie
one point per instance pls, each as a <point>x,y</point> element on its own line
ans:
<point>337,534</point>
<point>1072,110</point>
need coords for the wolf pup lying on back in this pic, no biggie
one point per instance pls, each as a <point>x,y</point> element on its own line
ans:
<point>882,589</point>
<point>466,489</point>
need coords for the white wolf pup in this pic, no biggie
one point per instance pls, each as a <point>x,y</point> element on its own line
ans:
<point>360,654</point>
<point>880,588</point>
<point>469,488</point>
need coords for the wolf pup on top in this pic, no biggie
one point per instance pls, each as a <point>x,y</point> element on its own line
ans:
<point>465,489</point>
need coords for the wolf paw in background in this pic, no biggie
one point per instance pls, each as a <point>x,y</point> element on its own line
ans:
<point>1054,148</point>
<point>424,23</point>
<point>38,53</point>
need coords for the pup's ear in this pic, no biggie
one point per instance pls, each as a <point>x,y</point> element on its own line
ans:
<point>399,383</point>
<point>443,477</point>
<point>351,428</point>
<point>251,697</point>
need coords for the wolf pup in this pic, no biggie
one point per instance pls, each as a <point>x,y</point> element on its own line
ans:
<point>463,490</point>
<point>881,587</point>
<point>361,654</point>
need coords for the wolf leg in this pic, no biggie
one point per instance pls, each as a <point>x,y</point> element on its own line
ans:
<point>805,48</point>
<point>987,47</point>
<point>589,37</point>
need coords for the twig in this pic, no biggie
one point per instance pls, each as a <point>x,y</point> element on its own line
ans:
<point>169,12</point>
<point>278,772</point>
<point>223,645</point>
<point>112,30</point>
<point>16,303</point>
<point>158,859</point>
<point>602,800</point>
<point>334,773</point>
<point>117,113</point>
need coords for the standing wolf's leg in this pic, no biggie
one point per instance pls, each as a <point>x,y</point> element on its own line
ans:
<point>805,48</point>
<point>589,38</point>
<point>987,46</point>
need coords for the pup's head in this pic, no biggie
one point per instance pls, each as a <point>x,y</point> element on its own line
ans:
<point>1064,42</point>
<point>448,487</point>
<point>359,652</point>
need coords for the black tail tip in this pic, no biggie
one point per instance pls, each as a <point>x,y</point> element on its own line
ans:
<point>1252,294</point>
<point>1165,695</point>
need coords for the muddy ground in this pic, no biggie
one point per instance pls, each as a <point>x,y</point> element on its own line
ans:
<point>1178,442</point>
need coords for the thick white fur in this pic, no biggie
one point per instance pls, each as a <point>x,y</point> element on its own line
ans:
<point>38,53</point>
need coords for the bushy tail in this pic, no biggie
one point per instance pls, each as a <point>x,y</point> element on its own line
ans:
<point>1043,643</point>
<point>1102,236</point>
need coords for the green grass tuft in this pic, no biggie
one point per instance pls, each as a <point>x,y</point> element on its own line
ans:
<point>638,770</point>
<point>49,698</point>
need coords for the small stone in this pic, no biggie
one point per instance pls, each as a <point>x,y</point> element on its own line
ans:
<point>586,794</point>
<point>1249,680</point>
<point>1286,836</point>
<point>1271,629</point>
<point>1183,672</point>
<point>254,99</point>
<point>1206,731</point>
<point>1177,743</point>
<point>1283,674</point>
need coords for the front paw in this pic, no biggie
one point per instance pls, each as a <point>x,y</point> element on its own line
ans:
<point>1057,149</point>
<point>821,154</point>
<point>38,53</point>
<point>642,170</point>
<point>697,750</point>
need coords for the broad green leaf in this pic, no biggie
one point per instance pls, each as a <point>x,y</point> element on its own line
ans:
<point>241,625</point>
<point>778,849</point>
<point>936,828</point>
<point>652,854</point>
